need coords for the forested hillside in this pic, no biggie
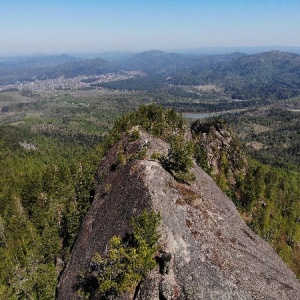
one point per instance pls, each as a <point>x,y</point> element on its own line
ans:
<point>45,189</point>
<point>149,165</point>
<point>27,68</point>
<point>47,184</point>
<point>270,75</point>
<point>53,139</point>
<point>271,133</point>
<point>268,194</point>
<point>48,159</point>
<point>263,76</point>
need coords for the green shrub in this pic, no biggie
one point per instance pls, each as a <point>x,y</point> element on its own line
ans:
<point>121,159</point>
<point>134,135</point>
<point>184,177</point>
<point>200,156</point>
<point>152,118</point>
<point>128,260</point>
<point>155,156</point>
<point>179,159</point>
<point>141,153</point>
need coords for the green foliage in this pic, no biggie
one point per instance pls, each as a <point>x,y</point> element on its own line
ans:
<point>141,153</point>
<point>266,196</point>
<point>201,158</point>
<point>268,193</point>
<point>121,158</point>
<point>134,135</point>
<point>43,197</point>
<point>180,154</point>
<point>163,123</point>
<point>145,227</point>
<point>127,261</point>
<point>155,156</point>
<point>141,83</point>
<point>269,75</point>
<point>44,193</point>
<point>184,177</point>
<point>153,119</point>
<point>179,159</point>
<point>270,197</point>
<point>275,130</point>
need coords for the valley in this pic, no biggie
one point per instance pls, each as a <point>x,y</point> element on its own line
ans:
<point>75,83</point>
<point>59,120</point>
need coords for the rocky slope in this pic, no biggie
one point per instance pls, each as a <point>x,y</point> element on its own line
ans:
<point>220,147</point>
<point>214,255</point>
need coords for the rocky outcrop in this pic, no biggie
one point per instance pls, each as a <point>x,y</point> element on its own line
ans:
<point>214,255</point>
<point>221,148</point>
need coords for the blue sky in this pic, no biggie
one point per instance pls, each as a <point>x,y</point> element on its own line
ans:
<point>43,26</point>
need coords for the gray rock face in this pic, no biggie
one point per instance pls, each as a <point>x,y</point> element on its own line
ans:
<point>214,255</point>
<point>219,142</point>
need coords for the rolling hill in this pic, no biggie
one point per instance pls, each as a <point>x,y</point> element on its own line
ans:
<point>269,75</point>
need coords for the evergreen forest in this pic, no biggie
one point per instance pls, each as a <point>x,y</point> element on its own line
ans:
<point>51,143</point>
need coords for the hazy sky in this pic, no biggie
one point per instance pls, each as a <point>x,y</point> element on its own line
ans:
<point>70,26</point>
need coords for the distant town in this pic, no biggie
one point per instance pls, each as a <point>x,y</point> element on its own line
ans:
<point>75,83</point>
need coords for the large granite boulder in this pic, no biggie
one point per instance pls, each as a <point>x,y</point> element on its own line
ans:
<point>214,255</point>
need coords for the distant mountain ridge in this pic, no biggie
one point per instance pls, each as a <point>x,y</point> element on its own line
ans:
<point>76,68</point>
<point>34,62</point>
<point>157,61</point>
<point>272,74</point>
<point>27,67</point>
<point>268,75</point>
<point>246,50</point>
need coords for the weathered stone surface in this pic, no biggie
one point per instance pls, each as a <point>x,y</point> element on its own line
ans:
<point>214,254</point>
<point>219,142</point>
